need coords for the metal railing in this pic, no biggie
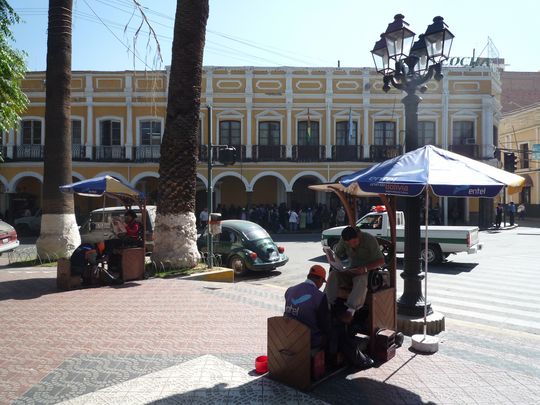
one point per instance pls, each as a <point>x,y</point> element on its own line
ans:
<point>109,153</point>
<point>308,153</point>
<point>347,153</point>
<point>380,153</point>
<point>470,150</point>
<point>268,153</point>
<point>78,152</point>
<point>147,153</point>
<point>28,152</point>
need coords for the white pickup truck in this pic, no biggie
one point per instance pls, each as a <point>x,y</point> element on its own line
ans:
<point>442,240</point>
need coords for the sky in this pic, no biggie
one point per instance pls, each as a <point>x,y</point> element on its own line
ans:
<point>278,32</point>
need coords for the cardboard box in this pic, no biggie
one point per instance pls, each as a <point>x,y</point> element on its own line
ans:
<point>64,279</point>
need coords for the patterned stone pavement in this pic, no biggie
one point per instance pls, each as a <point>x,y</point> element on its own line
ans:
<point>177,341</point>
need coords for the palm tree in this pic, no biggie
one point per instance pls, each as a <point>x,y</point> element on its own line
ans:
<point>59,232</point>
<point>176,232</point>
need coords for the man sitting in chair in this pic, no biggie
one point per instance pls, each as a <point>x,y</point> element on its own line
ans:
<point>307,304</point>
<point>364,254</point>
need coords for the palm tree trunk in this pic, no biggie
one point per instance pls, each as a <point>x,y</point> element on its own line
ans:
<point>176,232</point>
<point>59,232</point>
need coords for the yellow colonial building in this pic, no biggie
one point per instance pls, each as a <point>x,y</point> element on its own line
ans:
<point>519,133</point>
<point>292,127</point>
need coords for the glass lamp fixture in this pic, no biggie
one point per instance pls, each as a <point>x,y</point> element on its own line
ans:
<point>438,40</point>
<point>398,38</point>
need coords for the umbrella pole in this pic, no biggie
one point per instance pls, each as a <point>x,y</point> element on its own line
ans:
<point>426,220</point>
<point>423,342</point>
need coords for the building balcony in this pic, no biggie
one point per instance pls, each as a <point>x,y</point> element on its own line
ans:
<point>308,153</point>
<point>78,152</point>
<point>268,153</point>
<point>240,153</point>
<point>347,153</point>
<point>380,153</point>
<point>29,153</point>
<point>109,153</point>
<point>147,153</point>
<point>470,150</point>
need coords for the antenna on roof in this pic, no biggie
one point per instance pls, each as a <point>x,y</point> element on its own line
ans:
<point>338,64</point>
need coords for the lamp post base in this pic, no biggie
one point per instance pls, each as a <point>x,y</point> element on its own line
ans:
<point>410,325</point>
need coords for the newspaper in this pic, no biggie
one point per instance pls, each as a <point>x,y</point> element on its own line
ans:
<point>333,260</point>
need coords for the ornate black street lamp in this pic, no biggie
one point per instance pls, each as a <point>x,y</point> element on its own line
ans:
<point>408,68</point>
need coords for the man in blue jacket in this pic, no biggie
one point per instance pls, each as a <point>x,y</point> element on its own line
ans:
<point>307,304</point>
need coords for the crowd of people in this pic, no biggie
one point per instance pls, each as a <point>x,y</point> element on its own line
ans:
<point>277,219</point>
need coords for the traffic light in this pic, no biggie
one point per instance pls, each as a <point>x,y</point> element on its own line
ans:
<point>510,164</point>
<point>227,155</point>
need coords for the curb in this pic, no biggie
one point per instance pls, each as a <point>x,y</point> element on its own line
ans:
<point>223,275</point>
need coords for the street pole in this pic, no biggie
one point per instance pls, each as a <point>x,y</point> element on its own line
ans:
<point>411,302</point>
<point>209,240</point>
<point>414,66</point>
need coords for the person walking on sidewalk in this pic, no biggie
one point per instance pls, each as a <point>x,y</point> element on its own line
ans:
<point>293,221</point>
<point>306,303</point>
<point>512,212</point>
<point>521,211</point>
<point>364,254</point>
<point>498,215</point>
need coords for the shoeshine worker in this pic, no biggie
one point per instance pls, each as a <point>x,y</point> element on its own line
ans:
<point>364,254</point>
<point>307,304</point>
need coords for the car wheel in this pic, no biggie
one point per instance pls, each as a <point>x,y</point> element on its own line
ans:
<point>238,265</point>
<point>434,254</point>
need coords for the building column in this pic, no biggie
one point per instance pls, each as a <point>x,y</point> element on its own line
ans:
<point>288,105</point>
<point>10,143</point>
<point>445,142</point>
<point>328,102</point>
<point>88,91</point>
<point>488,149</point>
<point>129,124</point>
<point>366,95</point>
<point>249,110</point>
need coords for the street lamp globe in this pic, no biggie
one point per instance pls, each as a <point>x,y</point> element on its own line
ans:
<point>398,38</point>
<point>419,50</point>
<point>381,58</point>
<point>438,40</point>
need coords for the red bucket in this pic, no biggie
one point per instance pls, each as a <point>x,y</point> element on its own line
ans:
<point>261,364</point>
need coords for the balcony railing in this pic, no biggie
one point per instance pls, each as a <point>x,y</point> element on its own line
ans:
<point>380,153</point>
<point>147,153</point>
<point>240,153</point>
<point>470,151</point>
<point>308,153</point>
<point>110,153</point>
<point>347,153</point>
<point>268,153</point>
<point>28,152</point>
<point>78,152</point>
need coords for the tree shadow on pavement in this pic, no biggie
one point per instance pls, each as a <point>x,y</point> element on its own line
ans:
<point>337,390</point>
<point>27,289</point>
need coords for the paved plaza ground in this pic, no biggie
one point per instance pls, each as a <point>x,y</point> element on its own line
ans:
<point>179,341</point>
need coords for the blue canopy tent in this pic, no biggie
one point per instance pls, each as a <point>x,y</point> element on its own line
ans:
<point>446,173</point>
<point>108,186</point>
<point>105,185</point>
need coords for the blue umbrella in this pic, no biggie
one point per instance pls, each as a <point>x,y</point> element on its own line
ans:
<point>448,174</point>
<point>104,185</point>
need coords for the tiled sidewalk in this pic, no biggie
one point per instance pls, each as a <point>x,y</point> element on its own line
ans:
<point>176,341</point>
